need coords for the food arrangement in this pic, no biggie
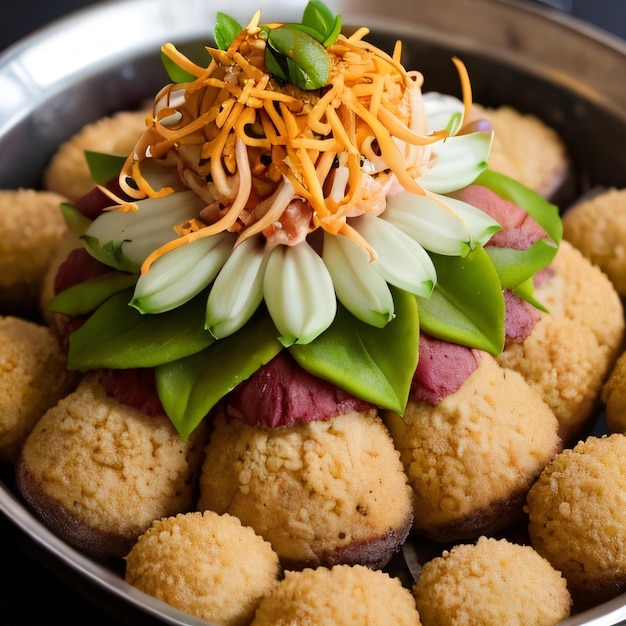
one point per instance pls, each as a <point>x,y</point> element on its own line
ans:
<point>469,456</point>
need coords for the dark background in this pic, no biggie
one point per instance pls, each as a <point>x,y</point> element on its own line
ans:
<point>31,595</point>
<point>27,15</point>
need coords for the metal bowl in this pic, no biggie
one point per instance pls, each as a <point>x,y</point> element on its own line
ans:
<point>107,58</point>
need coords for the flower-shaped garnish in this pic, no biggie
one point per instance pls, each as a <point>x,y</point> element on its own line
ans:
<point>297,190</point>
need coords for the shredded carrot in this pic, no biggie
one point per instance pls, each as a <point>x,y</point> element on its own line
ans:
<point>234,110</point>
<point>466,88</point>
<point>122,205</point>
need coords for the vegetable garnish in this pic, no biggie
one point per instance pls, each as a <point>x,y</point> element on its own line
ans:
<point>302,183</point>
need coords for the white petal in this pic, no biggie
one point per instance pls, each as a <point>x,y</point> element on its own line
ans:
<point>481,226</point>
<point>457,162</point>
<point>238,289</point>
<point>299,293</point>
<point>438,223</point>
<point>135,235</point>
<point>401,260</point>
<point>358,285</point>
<point>179,275</point>
<point>442,110</point>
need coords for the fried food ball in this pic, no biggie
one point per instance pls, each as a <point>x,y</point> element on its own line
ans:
<point>204,564</point>
<point>597,227</point>
<point>322,493</point>
<point>99,472</point>
<point>68,172</point>
<point>491,582</point>
<point>32,226</point>
<point>33,377</point>
<point>614,397</point>
<point>571,350</point>
<point>343,596</point>
<point>580,291</point>
<point>577,518</point>
<point>472,457</point>
<point>518,135</point>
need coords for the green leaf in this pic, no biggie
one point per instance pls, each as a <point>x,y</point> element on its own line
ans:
<point>177,74</point>
<point>104,167</point>
<point>118,336</point>
<point>123,240</point>
<point>467,306</point>
<point>318,17</point>
<point>226,30</point>
<point>87,296</point>
<point>375,364</point>
<point>76,221</point>
<point>312,32</point>
<point>189,388</point>
<point>516,266</point>
<point>111,253</point>
<point>310,63</point>
<point>526,291</point>
<point>545,213</point>
<point>274,65</point>
<point>334,33</point>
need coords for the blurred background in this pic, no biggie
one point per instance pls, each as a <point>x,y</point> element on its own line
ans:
<point>26,17</point>
<point>33,596</point>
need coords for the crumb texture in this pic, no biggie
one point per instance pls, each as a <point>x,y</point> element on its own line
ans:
<point>343,596</point>
<point>470,457</point>
<point>491,582</point>
<point>106,466</point>
<point>320,492</point>
<point>68,172</point>
<point>597,227</point>
<point>577,513</point>
<point>33,378</point>
<point>204,564</point>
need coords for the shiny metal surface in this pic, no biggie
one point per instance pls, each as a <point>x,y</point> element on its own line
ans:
<point>535,58</point>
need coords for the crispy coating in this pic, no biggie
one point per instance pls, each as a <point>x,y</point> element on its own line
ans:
<point>100,472</point>
<point>580,291</point>
<point>32,225</point>
<point>343,596</point>
<point>491,582</point>
<point>614,397</point>
<point>324,492</point>
<point>33,377</point>
<point>68,172</point>
<point>204,564</point>
<point>571,350</point>
<point>597,227</point>
<point>472,458</point>
<point>577,513</point>
<point>518,135</point>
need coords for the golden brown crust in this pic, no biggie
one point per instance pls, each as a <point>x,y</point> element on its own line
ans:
<point>614,397</point>
<point>491,582</point>
<point>207,565</point>
<point>470,458</point>
<point>321,493</point>
<point>33,377</point>
<point>342,596</point>
<point>580,291</point>
<point>96,465</point>
<point>597,227</point>
<point>32,225</point>
<point>577,518</point>
<point>516,136</point>
<point>68,172</point>
<point>571,350</point>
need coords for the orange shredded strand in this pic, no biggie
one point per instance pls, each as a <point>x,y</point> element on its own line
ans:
<point>245,143</point>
